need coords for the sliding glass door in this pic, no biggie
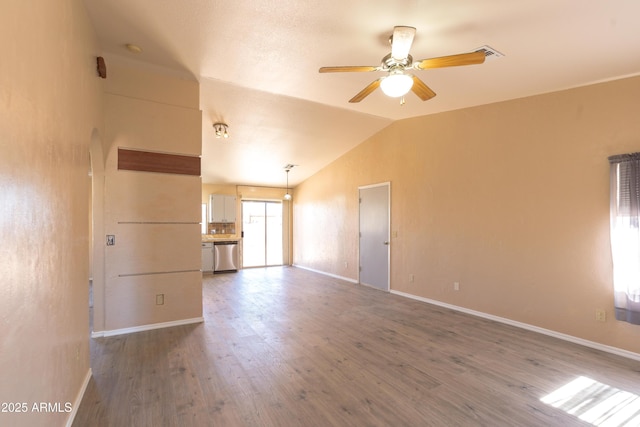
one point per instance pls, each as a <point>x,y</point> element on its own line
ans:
<point>262,228</point>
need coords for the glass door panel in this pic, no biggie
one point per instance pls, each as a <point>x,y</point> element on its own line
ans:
<point>262,228</point>
<point>274,233</point>
<point>254,234</point>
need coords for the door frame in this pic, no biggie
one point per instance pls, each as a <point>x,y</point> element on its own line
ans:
<point>285,223</point>
<point>364,187</point>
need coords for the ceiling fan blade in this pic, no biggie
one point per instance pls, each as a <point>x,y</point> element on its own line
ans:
<point>366,91</point>
<point>348,69</point>
<point>450,61</point>
<point>401,42</point>
<point>423,91</point>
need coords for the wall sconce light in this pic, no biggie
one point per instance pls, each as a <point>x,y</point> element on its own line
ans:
<point>221,130</point>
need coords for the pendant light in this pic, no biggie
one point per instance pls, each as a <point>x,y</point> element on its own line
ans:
<point>287,168</point>
<point>287,196</point>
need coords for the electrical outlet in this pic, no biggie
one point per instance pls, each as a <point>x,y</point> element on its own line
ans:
<point>346,264</point>
<point>456,286</point>
<point>160,299</point>
<point>601,315</point>
<point>411,277</point>
<point>111,240</point>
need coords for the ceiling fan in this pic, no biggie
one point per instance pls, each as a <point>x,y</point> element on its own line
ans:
<point>398,82</point>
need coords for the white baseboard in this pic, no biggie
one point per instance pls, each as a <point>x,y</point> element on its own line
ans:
<point>565,337</point>
<point>152,326</point>
<point>346,279</point>
<point>78,399</point>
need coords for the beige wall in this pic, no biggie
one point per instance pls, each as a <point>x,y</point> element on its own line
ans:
<point>155,217</point>
<point>509,199</point>
<point>226,189</point>
<point>50,105</point>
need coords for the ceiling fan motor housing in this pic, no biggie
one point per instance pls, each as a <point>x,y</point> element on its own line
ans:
<point>390,63</point>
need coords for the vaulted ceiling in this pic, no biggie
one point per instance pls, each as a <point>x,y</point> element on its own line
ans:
<point>257,63</point>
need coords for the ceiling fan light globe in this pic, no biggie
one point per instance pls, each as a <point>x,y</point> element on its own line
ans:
<point>396,85</point>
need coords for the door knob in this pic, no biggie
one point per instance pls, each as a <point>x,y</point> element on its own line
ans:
<point>386,243</point>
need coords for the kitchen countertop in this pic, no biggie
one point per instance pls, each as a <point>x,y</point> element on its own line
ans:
<point>220,238</point>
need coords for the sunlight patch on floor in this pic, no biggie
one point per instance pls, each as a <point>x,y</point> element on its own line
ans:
<point>596,403</point>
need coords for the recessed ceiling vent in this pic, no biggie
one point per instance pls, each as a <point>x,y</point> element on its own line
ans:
<point>489,52</point>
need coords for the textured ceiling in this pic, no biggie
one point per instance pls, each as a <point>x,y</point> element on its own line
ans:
<point>257,63</point>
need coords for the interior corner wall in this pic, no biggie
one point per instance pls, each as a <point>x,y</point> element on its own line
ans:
<point>226,189</point>
<point>510,200</point>
<point>50,104</point>
<point>155,217</point>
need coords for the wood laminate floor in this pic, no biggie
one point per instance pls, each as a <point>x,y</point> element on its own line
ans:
<point>287,347</point>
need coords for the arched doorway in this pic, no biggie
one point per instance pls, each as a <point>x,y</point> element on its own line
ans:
<point>96,232</point>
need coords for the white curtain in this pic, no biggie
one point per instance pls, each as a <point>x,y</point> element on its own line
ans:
<point>625,235</point>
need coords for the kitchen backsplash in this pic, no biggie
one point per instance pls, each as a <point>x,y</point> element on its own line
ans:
<point>222,228</point>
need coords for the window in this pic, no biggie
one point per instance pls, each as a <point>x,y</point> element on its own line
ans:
<point>625,235</point>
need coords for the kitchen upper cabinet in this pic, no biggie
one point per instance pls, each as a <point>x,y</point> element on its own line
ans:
<point>222,208</point>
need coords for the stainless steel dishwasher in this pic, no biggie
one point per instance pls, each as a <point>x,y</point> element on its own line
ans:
<point>225,256</point>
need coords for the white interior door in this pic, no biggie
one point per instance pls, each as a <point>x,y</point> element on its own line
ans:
<point>374,236</point>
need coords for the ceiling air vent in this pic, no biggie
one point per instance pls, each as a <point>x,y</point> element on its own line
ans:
<point>489,52</point>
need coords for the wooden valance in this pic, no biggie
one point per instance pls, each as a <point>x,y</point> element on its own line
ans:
<point>148,161</point>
